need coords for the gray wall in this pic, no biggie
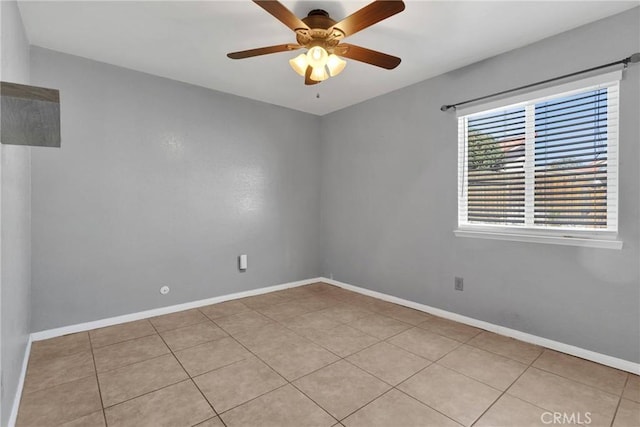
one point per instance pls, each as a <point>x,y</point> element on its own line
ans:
<point>159,182</point>
<point>389,205</point>
<point>15,207</point>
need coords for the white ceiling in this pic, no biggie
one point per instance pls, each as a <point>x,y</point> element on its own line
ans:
<point>188,41</point>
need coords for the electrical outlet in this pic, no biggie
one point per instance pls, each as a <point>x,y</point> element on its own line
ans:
<point>458,284</point>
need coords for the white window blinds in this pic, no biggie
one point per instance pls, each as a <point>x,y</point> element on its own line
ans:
<point>548,163</point>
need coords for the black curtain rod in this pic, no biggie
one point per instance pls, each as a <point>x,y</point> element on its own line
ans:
<point>631,59</point>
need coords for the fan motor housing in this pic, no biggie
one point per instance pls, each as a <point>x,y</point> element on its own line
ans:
<point>320,32</point>
<point>319,19</point>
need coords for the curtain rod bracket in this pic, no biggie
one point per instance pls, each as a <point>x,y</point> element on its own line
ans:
<point>632,59</point>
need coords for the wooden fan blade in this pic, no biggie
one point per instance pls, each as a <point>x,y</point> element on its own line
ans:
<point>307,77</point>
<point>263,51</point>
<point>281,13</point>
<point>369,15</point>
<point>368,56</point>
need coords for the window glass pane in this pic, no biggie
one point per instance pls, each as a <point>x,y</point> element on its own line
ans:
<point>495,160</point>
<point>571,161</point>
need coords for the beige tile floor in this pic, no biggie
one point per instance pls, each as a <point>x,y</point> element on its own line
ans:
<point>314,356</point>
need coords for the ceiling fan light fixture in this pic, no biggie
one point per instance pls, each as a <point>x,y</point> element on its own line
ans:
<point>319,74</point>
<point>335,64</point>
<point>299,64</point>
<point>322,36</point>
<point>317,57</point>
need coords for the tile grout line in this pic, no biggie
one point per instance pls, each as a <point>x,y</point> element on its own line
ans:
<point>206,319</point>
<point>190,378</point>
<point>615,413</point>
<point>309,397</point>
<point>252,399</point>
<point>544,349</point>
<point>94,373</point>
<point>63,382</point>
<point>344,358</point>
<point>502,355</point>
<point>580,382</point>
<point>149,392</point>
<point>433,362</point>
<point>160,336</point>
<point>93,358</point>
<point>529,366</point>
<point>200,343</point>
<point>395,387</point>
<point>155,332</point>
<point>422,403</point>
<point>331,351</point>
<point>287,382</point>
<point>358,408</point>
<point>131,364</point>
<point>157,357</point>
<point>392,387</point>
<point>340,358</point>
<point>124,340</point>
<point>460,344</point>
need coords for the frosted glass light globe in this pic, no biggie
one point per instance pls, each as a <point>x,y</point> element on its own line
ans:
<point>317,57</point>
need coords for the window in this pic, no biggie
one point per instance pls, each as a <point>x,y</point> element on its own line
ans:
<point>542,167</point>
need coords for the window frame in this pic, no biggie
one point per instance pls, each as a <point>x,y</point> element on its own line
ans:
<point>599,238</point>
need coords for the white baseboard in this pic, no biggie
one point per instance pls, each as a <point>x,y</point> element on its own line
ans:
<point>81,327</point>
<point>23,373</point>
<point>603,359</point>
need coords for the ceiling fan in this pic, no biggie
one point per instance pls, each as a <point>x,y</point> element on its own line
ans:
<point>322,36</point>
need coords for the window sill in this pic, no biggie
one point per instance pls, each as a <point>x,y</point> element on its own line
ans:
<point>539,238</point>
